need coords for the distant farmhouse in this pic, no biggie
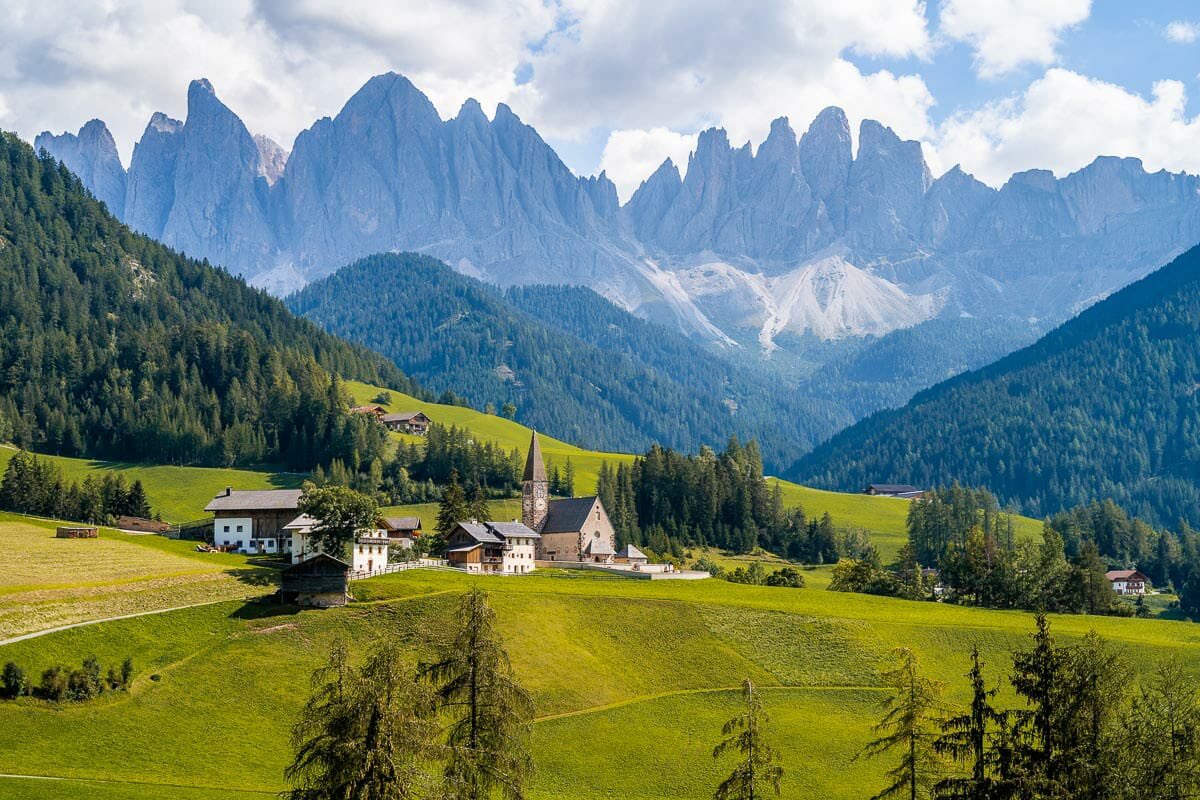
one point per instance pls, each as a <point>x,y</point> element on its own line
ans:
<point>402,531</point>
<point>414,422</point>
<point>575,529</point>
<point>1127,581</point>
<point>254,521</point>
<point>894,490</point>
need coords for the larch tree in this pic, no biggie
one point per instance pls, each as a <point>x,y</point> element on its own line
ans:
<point>489,712</point>
<point>909,727</point>
<point>758,773</point>
<point>365,734</point>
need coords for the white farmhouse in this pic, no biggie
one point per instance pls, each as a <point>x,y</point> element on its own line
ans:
<point>502,548</point>
<point>253,521</point>
<point>369,551</point>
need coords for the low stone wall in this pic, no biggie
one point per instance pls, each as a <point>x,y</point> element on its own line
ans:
<point>76,533</point>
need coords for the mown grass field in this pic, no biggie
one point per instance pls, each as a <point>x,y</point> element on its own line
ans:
<point>632,681</point>
<point>49,582</point>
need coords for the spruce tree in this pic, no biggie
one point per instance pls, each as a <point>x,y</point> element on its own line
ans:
<point>477,507</point>
<point>908,727</point>
<point>759,772</point>
<point>966,739</point>
<point>489,711</point>
<point>454,508</point>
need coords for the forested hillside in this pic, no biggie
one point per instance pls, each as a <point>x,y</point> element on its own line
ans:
<point>113,345</point>
<point>572,363</point>
<point>1106,406</point>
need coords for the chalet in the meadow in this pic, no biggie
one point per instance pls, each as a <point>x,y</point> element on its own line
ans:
<point>501,548</point>
<point>368,554</point>
<point>414,422</point>
<point>1127,581</point>
<point>371,409</point>
<point>318,581</point>
<point>893,490</point>
<point>254,521</point>
<point>401,530</point>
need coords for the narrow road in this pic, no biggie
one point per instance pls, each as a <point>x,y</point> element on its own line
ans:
<point>26,636</point>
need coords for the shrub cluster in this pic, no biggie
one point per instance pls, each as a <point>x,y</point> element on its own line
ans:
<point>61,683</point>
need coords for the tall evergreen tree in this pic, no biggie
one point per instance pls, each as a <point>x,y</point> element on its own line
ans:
<point>967,738</point>
<point>364,734</point>
<point>489,711</point>
<point>758,773</point>
<point>454,507</point>
<point>909,728</point>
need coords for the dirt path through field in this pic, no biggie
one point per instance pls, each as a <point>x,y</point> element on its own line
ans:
<point>25,636</point>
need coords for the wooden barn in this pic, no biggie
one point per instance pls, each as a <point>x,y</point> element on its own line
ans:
<point>320,581</point>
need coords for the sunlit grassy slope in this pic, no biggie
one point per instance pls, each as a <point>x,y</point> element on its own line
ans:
<point>637,675</point>
<point>884,517</point>
<point>178,493</point>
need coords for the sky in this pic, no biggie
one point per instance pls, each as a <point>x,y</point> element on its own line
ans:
<point>997,86</point>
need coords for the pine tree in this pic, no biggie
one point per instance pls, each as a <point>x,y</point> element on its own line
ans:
<point>568,479</point>
<point>908,726</point>
<point>1162,730</point>
<point>759,770</point>
<point>490,712</point>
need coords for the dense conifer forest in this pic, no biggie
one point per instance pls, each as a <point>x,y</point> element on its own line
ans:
<point>572,363</point>
<point>112,345</point>
<point>1106,406</point>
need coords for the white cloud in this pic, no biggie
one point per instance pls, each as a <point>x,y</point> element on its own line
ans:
<point>1064,120</point>
<point>1182,32</point>
<point>684,66</point>
<point>279,65</point>
<point>630,156</point>
<point>1007,34</point>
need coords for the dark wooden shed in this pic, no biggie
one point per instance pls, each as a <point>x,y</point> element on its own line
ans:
<point>318,581</point>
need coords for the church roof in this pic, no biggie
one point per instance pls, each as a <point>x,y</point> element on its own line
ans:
<point>568,514</point>
<point>535,468</point>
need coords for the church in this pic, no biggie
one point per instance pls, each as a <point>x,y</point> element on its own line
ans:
<point>571,528</point>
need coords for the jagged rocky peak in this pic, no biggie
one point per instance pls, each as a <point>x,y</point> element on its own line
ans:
<point>888,182</point>
<point>92,155</point>
<point>151,187</point>
<point>272,159</point>
<point>780,145</point>
<point>825,153</point>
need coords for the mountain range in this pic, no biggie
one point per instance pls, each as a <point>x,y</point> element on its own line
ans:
<point>1105,406</point>
<point>801,237</point>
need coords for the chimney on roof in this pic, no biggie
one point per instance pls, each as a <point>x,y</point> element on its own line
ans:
<point>228,491</point>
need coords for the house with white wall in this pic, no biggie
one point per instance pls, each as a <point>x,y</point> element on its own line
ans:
<point>498,548</point>
<point>368,553</point>
<point>254,521</point>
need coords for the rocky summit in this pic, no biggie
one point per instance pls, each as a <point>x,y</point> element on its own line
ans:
<point>801,236</point>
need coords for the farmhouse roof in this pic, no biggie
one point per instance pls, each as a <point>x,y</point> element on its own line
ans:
<point>568,514</point>
<point>514,530</point>
<point>893,488</point>
<point>631,552</point>
<point>318,560</point>
<point>265,500</point>
<point>535,467</point>
<point>402,523</point>
<point>480,532</point>
<point>1124,575</point>
<point>402,416</point>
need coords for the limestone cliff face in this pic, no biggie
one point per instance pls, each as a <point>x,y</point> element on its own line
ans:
<point>802,235</point>
<point>92,155</point>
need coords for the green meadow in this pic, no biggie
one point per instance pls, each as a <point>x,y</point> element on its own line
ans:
<point>632,682</point>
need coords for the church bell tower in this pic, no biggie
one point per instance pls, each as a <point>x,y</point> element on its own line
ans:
<point>535,488</point>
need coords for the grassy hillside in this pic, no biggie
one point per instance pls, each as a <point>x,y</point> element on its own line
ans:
<point>884,517</point>
<point>637,675</point>
<point>49,582</point>
<point>178,493</point>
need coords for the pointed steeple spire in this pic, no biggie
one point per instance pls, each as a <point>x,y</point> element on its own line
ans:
<point>535,468</point>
